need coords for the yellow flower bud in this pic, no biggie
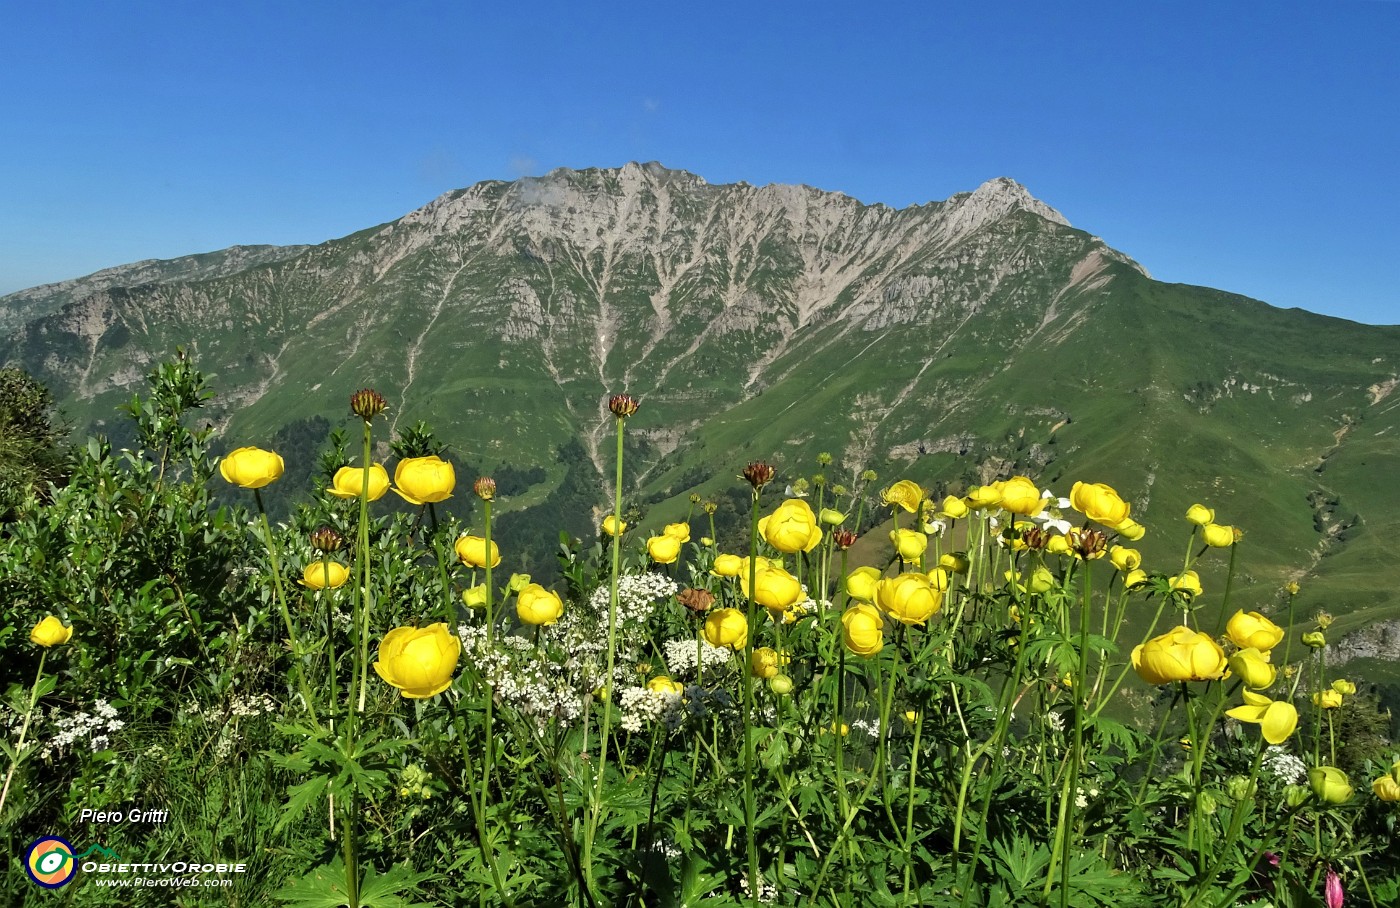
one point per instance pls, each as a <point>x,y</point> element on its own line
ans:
<point>662,684</point>
<point>1253,668</point>
<point>1344,687</point>
<point>680,531</point>
<point>1330,784</point>
<point>612,526</point>
<point>1124,559</point>
<point>728,565</point>
<point>1021,496</point>
<point>791,528</point>
<point>831,517</point>
<point>475,596</point>
<point>1200,515</point>
<point>957,562</point>
<point>860,583</point>
<point>909,598</point>
<point>1327,699</point>
<point>953,508</point>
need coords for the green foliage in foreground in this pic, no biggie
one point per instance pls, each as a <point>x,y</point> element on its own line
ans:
<point>956,766</point>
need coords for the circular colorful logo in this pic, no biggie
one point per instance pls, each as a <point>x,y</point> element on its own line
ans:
<point>49,862</point>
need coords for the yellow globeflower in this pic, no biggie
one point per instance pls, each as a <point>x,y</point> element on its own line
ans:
<point>1251,629</point>
<point>905,494</point>
<point>1386,788</point>
<point>1330,784</point>
<point>831,517</point>
<point>765,662</point>
<point>1057,545</point>
<point>50,632</point>
<point>418,661</point>
<point>791,528</point>
<point>350,481</point>
<point>1253,668</point>
<point>680,531</point>
<point>1125,559</point>
<point>251,468</point>
<point>910,544</point>
<point>1218,536</point>
<point>1180,654</point>
<point>1200,515</point>
<point>1188,583</point>
<point>1327,699</point>
<point>728,565</point>
<point>324,575</point>
<point>662,684</point>
<point>536,605</point>
<point>1344,687</point>
<point>1135,579</point>
<point>956,562</point>
<point>424,480</point>
<point>612,526</point>
<point>726,627</point>
<point>953,508</point>
<point>909,598</point>
<point>475,596</point>
<point>1130,529</point>
<point>1021,496</point>
<point>774,588</point>
<point>1276,719</point>
<point>1100,503</point>
<point>473,552</point>
<point>664,549</point>
<point>860,583</point>
<point>863,629</point>
<point>984,498</point>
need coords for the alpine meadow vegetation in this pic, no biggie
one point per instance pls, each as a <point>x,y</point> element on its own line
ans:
<point>992,700</point>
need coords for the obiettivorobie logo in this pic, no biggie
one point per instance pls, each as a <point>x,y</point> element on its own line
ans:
<point>51,861</point>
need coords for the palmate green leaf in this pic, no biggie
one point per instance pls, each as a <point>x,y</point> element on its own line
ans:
<point>302,797</point>
<point>324,887</point>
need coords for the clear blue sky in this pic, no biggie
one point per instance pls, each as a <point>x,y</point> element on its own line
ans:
<point>1253,147</point>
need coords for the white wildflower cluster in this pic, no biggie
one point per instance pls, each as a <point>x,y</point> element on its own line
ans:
<point>1284,766</point>
<point>681,655</point>
<point>869,726</point>
<point>94,728</point>
<point>523,676</point>
<point>767,892</point>
<point>637,597</point>
<point>1082,796</point>
<point>250,705</point>
<point>642,706</point>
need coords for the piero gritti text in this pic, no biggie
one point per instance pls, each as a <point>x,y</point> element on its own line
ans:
<point>134,816</point>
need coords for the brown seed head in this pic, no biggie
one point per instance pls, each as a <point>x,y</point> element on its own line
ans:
<point>1035,538</point>
<point>623,406</point>
<point>485,488</point>
<point>326,539</point>
<point>697,600</point>
<point>759,474</point>
<point>1087,543</point>
<point>367,403</point>
<point>843,537</point>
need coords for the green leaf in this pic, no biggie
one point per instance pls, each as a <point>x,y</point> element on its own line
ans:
<point>301,798</point>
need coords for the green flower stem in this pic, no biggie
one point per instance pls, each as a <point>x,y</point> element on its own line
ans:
<point>596,808</point>
<point>1157,745</point>
<point>366,591</point>
<point>489,758</point>
<point>1186,566</point>
<point>909,811</point>
<point>1237,817</point>
<point>1064,826</point>
<point>1127,666</point>
<point>281,596</point>
<point>750,812</point>
<point>478,809</point>
<point>24,729</point>
<point>1225,598</point>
